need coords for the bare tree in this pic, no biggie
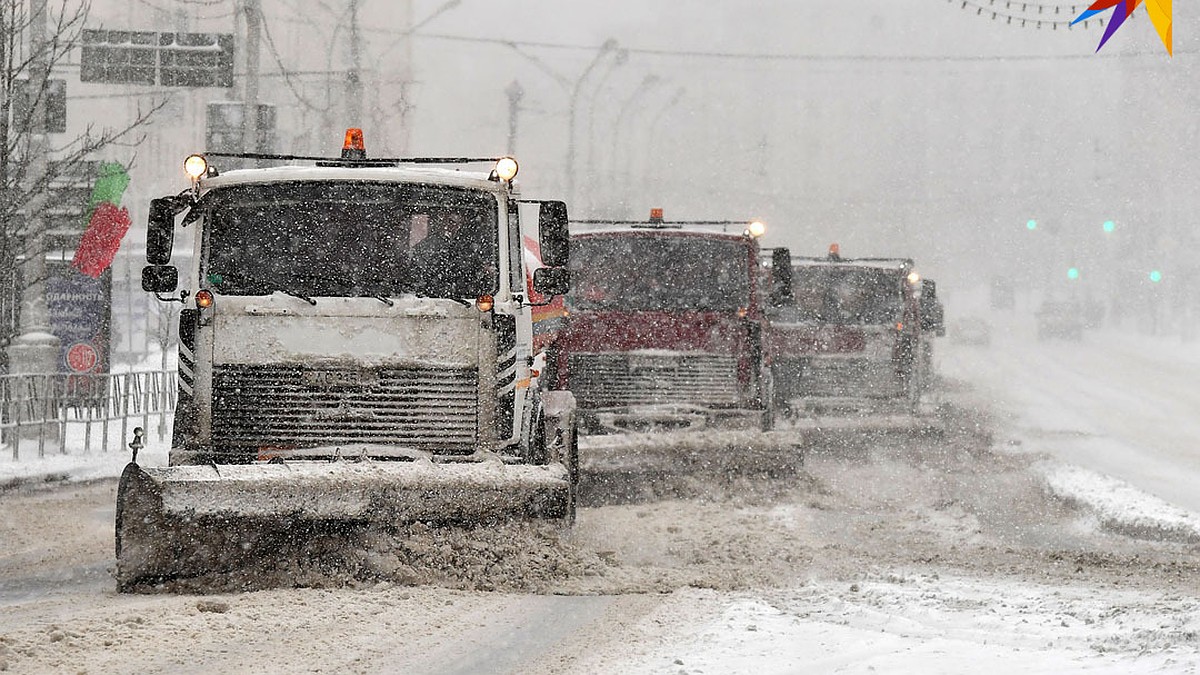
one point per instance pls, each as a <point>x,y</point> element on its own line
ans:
<point>27,184</point>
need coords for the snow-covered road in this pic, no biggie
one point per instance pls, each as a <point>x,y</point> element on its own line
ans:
<point>1117,403</point>
<point>906,554</point>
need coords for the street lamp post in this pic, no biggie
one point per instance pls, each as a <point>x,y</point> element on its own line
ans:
<point>515,93</point>
<point>648,82</point>
<point>654,123</point>
<point>620,60</point>
<point>254,18</point>
<point>608,46</point>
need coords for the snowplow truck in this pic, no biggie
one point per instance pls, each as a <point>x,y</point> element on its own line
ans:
<point>666,327</point>
<point>847,333</point>
<point>355,348</point>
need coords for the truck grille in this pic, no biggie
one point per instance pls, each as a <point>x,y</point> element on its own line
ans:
<point>607,380</point>
<point>302,407</point>
<point>851,378</point>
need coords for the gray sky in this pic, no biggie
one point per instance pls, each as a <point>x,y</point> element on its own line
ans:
<point>909,127</point>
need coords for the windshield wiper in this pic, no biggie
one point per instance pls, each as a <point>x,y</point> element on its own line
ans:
<point>249,278</point>
<point>382,298</point>
<point>296,294</point>
<point>460,301</point>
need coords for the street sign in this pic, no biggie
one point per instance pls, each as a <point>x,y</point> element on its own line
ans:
<point>78,306</point>
<point>82,357</point>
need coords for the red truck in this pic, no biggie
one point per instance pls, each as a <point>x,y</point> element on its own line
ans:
<point>666,326</point>
<point>847,334</point>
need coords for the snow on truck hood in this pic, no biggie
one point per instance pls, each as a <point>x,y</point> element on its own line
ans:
<point>400,174</point>
<point>282,329</point>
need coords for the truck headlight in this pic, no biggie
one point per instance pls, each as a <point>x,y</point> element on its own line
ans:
<point>506,168</point>
<point>195,166</point>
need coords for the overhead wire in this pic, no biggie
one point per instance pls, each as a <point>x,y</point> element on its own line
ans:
<point>202,3</point>
<point>1013,12</point>
<point>783,57</point>
<point>283,71</point>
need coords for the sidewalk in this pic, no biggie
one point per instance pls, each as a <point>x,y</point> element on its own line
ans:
<point>75,465</point>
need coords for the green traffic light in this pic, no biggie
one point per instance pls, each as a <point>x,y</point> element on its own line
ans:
<point>1031,225</point>
<point>1109,226</point>
<point>1073,273</point>
<point>1155,276</point>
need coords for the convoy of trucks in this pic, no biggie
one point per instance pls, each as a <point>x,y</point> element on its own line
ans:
<point>390,340</point>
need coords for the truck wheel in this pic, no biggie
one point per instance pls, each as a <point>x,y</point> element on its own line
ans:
<point>572,462</point>
<point>767,420</point>
<point>768,401</point>
<point>536,450</point>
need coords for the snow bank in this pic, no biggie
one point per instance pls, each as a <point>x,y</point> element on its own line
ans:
<point>75,464</point>
<point>1120,506</point>
<point>920,624</point>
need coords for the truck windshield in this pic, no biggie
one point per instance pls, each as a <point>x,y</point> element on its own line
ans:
<point>846,295</point>
<point>643,272</point>
<point>349,239</point>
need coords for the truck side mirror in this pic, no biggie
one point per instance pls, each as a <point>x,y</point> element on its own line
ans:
<point>552,231</point>
<point>159,278</point>
<point>932,314</point>
<point>552,280</point>
<point>932,318</point>
<point>781,278</point>
<point>160,232</point>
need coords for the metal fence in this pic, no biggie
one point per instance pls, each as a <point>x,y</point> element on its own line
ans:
<point>82,414</point>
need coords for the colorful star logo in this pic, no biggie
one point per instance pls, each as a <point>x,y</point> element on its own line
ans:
<point>1159,11</point>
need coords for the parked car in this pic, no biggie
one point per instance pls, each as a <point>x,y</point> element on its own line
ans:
<point>1060,319</point>
<point>971,330</point>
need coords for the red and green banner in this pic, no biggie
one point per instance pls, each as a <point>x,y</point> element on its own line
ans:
<point>107,224</point>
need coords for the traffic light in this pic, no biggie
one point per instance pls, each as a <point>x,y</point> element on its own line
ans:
<point>1109,226</point>
<point>1073,273</point>
<point>1031,225</point>
<point>1155,276</point>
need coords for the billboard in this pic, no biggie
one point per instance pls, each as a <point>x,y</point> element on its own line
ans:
<point>78,307</point>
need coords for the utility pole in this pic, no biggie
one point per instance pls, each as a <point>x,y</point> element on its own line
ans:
<point>515,94</point>
<point>253,11</point>
<point>35,349</point>
<point>405,71</point>
<point>354,87</point>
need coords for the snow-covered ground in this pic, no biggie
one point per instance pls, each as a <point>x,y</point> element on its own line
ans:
<point>92,448</point>
<point>1119,404</point>
<point>82,458</point>
<point>1116,419</point>
<point>1068,546</point>
<point>918,624</point>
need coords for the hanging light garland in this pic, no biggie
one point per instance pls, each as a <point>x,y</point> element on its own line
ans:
<point>1030,14</point>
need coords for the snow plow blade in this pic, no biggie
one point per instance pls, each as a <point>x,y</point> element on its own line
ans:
<point>631,468</point>
<point>185,521</point>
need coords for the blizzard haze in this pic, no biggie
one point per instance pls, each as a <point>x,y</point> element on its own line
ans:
<point>1036,511</point>
<point>921,129</point>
